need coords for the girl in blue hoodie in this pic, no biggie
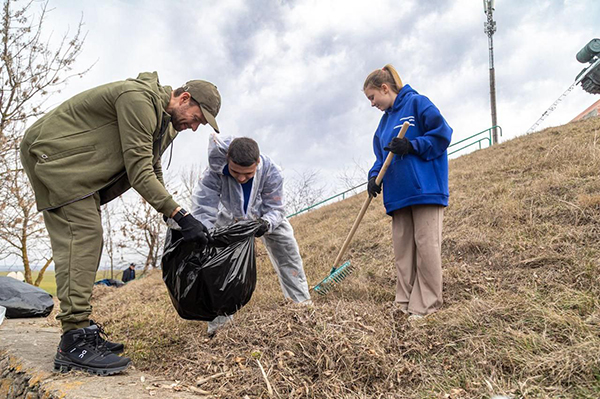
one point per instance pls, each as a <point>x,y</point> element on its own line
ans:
<point>415,187</point>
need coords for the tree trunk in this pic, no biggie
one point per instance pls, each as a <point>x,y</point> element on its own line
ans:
<point>151,257</point>
<point>40,276</point>
<point>25,258</point>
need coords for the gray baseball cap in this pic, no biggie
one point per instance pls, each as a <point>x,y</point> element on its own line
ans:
<point>207,95</point>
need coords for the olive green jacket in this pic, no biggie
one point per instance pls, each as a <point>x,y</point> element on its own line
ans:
<point>107,140</point>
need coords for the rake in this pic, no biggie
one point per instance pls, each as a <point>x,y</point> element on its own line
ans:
<point>337,274</point>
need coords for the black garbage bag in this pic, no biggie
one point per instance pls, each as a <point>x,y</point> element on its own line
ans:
<point>24,300</point>
<point>216,281</point>
<point>109,282</point>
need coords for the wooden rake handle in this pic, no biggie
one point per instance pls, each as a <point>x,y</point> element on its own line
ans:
<point>386,164</point>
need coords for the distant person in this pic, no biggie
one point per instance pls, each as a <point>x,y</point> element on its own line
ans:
<point>240,183</point>
<point>415,187</point>
<point>129,273</point>
<point>88,151</point>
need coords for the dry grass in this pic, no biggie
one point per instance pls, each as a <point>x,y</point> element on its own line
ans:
<point>521,283</point>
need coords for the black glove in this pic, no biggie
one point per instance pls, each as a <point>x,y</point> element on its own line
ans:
<point>262,229</point>
<point>191,229</point>
<point>400,146</point>
<point>373,188</point>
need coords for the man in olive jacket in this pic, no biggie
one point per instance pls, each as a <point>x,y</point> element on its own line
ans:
<point>88,151</point>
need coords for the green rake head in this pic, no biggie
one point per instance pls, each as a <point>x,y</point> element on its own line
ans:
<point>336,275</point>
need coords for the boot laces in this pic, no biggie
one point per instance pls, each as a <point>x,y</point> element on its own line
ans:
<point>101,331</point>
<point>102,335</point>
<point>92,338</point>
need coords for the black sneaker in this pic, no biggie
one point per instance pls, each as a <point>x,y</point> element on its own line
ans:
<point>83,349</point>
<point>114,347</point>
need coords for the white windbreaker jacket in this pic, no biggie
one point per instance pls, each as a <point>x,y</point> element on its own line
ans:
<point>219,200</point>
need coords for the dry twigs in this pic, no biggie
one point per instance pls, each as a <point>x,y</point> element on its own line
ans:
<point>521,269</point>
<point>262,370</point>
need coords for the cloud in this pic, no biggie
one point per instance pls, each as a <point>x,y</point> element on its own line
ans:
<point>291,72</point>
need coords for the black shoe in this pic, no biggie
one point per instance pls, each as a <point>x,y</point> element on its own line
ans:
<point>82,349</point>
<point>114,347</point>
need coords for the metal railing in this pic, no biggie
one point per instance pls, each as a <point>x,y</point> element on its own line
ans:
<point>342,194</point>
<point>488,138</point>
<point>478,141</point>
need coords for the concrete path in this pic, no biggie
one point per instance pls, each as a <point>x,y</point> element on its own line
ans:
<point>27,348</point>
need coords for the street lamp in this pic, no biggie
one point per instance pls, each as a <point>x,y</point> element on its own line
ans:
<point>590,75</point>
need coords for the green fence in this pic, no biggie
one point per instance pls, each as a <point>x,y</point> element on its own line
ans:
<point>343,195</point>
<point>476,140</point>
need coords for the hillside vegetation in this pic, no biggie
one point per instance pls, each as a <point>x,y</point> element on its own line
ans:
<point>521,283</point>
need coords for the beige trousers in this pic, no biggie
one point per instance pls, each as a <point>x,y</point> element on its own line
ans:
<point>417,240</point>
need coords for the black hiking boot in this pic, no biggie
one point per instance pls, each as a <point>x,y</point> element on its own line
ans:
<point>114,347</point>
<point>83,349</point>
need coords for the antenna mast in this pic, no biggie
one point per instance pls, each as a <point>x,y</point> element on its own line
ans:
<point>489,30</point>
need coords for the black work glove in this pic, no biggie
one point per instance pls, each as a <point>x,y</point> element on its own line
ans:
<point>192,229</point>
<point>373,188</point>
<point>400,146</point>
<point>262,229</point>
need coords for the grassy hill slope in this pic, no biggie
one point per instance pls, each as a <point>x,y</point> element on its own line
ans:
<point>521,283</point>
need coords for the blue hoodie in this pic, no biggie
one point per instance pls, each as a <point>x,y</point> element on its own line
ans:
<point>413,179</point>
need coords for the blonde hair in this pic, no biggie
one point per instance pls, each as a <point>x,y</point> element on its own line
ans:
<point>387,75</point>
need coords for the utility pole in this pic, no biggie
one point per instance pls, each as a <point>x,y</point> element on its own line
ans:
<point>489,30</point>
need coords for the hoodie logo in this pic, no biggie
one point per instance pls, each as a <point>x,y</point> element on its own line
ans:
<point>409,119</point>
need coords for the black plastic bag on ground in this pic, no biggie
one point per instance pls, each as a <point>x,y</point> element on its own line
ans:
<point>216,281</point>
<point>109,282</point>
<point>24,300</point>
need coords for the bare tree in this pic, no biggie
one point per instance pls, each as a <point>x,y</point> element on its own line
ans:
<point>31,69</point>
<point>189,178</point>
<point>303,190</point>
<point>30,72</point>
<point>22,233</point>
<point>353,175</point>
<point>108,212</point>
<point>143,231</point>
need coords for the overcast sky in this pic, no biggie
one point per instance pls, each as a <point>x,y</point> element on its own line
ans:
<point>291,72</point>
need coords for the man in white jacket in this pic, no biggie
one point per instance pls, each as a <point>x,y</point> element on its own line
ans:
<point>241,184</point>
